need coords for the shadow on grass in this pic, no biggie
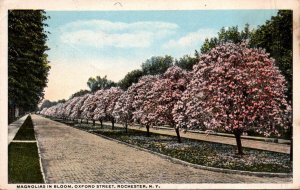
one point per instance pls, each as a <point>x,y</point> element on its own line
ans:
<point>26,131</point>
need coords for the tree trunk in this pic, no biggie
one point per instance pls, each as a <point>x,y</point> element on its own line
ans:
<point>87,121</point>
<point>80,120</point>
<point>112,124</point>
<point>178,135</point>
<point>237,135</point>
<point>101,124</point>
<point>291,150</point>
<point>126,126</point>
<point>94,123</point>
<point>148,132</point>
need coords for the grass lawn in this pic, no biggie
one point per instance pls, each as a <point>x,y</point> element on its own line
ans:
<point>199,152</point>
<point>23,163</point>
<point>23,159</point>
<point>26,131</point>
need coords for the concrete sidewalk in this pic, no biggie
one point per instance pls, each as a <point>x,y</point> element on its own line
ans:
<point>14,127</point>
<point>71,155</point>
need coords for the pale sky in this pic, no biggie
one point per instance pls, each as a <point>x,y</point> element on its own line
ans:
<point>86,44</point>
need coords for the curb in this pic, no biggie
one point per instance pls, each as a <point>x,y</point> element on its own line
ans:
<point>16,129</point>
<point>40,155</point>
<point>175,160</point>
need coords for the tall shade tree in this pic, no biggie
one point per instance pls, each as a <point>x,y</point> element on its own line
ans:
<point>157,65</point>
<point>232,34</point>
<point>143,104</point>
<point>276,36</point>
<point>27,59</point>
<point>234,89</point>
<point>186,62</point>
<point>46,104</point>
<point>166,92</point>
<point>79,93</point>
<point>100,83</point>
<point>130,78</point>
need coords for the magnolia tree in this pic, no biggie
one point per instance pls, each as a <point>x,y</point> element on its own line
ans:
<point>76,111</point>
<point>70,106</point>
<point>85,108</point>
<point>144,104</point>
<point>123,110</point>
<point>90,105</point>
<point>44,111</point>
<point>106,104</point>
<point>165,93</point>
<point>63,111</point>
<point>235,89</point>
<point>54,110</point>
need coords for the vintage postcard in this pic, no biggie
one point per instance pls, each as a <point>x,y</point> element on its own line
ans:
<point>150,94</point>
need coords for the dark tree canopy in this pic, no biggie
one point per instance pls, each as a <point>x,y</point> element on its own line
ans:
<point>47,104</point>
<point>232,34</point>
<point>79,93</point>
<point>100,83</point>
<point>157,65</point>
<point>276,36</point>
<point>27,61</point>
<point>130,78</point>
<point>186,62</point>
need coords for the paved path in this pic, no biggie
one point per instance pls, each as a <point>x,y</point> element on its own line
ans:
<point>14,127</point>
<point>70,155</point>
<point>276,147</point>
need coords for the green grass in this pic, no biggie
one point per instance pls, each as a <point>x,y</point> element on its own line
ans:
<point>23,158</point>
<point>26,131</point>
<point>199,152</point>
<point>23,163</point>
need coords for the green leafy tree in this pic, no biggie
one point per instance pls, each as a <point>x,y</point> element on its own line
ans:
<point>232,34</point>
<point>157,65</point>
<point>27,61</point>
<point>186,62</point>
<point>79,93</point>
<point>276,36</point>
<point>130,78</point>
<point>100,83</point>
<point>47,104</point>
<point>61,101</point>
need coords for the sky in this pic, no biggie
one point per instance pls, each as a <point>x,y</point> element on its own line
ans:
<point>86,44</point>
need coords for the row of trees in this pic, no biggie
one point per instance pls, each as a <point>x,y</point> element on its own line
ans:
<point>233,88</point>
<point>275,36</point>
<point>27,61</point>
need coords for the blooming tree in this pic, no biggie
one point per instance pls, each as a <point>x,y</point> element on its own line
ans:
<point>76,111</point>
<point>123,110</point>
<point>70,106</point>
<point>144,104</point>
<point>166,92</point>
<point>90,104</point>
<point>235,88</point>
<point>106,105</point>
